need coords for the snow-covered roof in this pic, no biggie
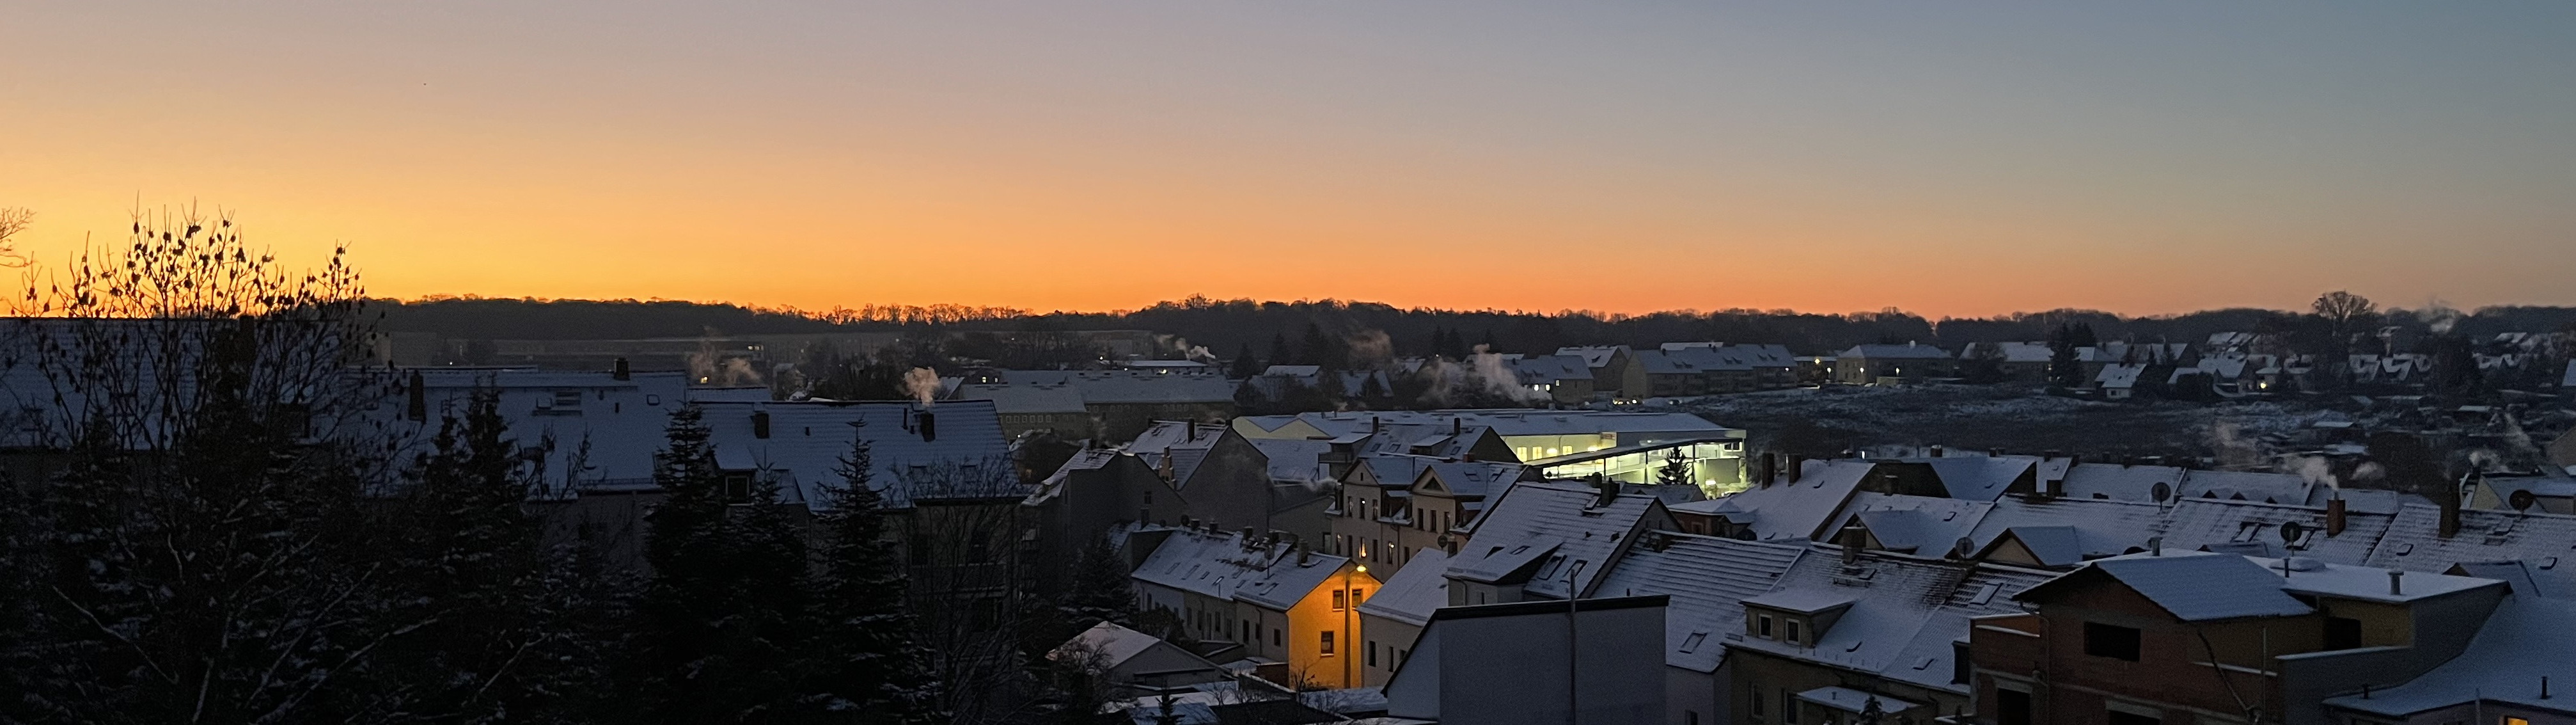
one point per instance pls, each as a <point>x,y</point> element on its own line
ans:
<point>2568,380</point>
<point>2192,586</point>
<point>1708,579</point>
<point>1854,701</point>
<point>1114,643</point>
<point>1540,515</point>
<point>2246,527</point>
<point>1979,478</point>
<point>2414,543</point>
<point>2246,485</point>
<point>2065,532</point>
<point>1116,386</point>
<point>1794,511</point>
<point>2544,578</point>
<point>1297,460</point>
<point>1900,614</point>
<point>1411,594</point>
<point>1031,399</point>
<point>2117,376</point>
<point>2121,482</point>
<point>1507,422</point>
<point>807,441</point>
<point>1593,356</point>
<point>1892,352</point>
<point>1548,369</point>
<point>2525,640</point>
<point>1228,566</point>
<point>1475,479</point>
<point>1920,525</point>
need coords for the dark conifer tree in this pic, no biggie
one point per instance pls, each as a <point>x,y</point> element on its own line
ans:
<point>1245,365</point>
<point>1279,353</point>
<point>727,608</point>
<point>869,665</point>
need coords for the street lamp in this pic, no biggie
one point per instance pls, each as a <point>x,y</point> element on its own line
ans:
<point>1350,607</point>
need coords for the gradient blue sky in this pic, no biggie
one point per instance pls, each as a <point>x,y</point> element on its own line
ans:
<point>1950,158</point>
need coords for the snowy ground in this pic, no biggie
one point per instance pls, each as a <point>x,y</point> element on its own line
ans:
<point>1979,417</point>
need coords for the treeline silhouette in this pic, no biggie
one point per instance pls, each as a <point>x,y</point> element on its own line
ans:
<point>1226,326</point>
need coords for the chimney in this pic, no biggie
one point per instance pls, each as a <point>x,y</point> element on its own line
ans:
<point>618,370</point>
<point>1304,557</point>
<point>1376,425</point>
<point>1936,451</point>
<point>1797,468</point>
<point>1608,490</point>
<point>929,426</point>
<point>2334,516</point>
<point>1449,544</point>
<point>1457,425</point>
<point>2396,582</point>
<point>1250,538</point>
<point>1854,537</point>
<point>759,423</point>
<point>2155,546</point>
<point>2450,503</point>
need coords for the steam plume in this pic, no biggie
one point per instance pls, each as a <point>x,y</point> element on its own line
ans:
<point>923,384</point>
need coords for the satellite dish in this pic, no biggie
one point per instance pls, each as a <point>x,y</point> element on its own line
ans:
<point>2522,500</point>
<point>2291,531</point>
<point>2160,492</point>
<point>1964,549</point>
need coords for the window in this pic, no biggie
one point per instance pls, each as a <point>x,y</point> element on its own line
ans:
<point>1788,706</point>
<point>1328,643</point>
<point>1249,635</point>
<point>2012,707</point>
<point>2342,633</point>
<point>1791,632</point>
<point>2113,641</point>
<point>1960,664</point>
<point>1753,694</point>
<point>1339,601</point>
<point>1762,626</point>
<point>1690,717</point>
<point>567,399</point>
<point>1692,643</point>
<point>1358,596</point>
<point>1275,639</point>
<point>2129,718</point>
<point>1372,656</point>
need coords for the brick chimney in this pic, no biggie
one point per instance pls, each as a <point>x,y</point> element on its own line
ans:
<point>1853,538</point>
<point>2450,502</point>
<point>1607,490</point>
<point>2334,516</point>
<point>619,370</point>
<point>1797,468</point>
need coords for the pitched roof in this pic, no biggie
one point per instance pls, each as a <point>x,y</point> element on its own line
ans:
<point>1100,387</point>
<point>1893,352</point>
<point>1920,525</point>
<point>1415,590</point>
<point>2526,639</point>
<point>1799,510</point>
<point>1227,566</point>
<point>1707,579</point>
<point>2064,532</point>
<point>1900,614</point>
<point>2193,587</point>
<point>1594,356</point>
<point>2414,543</point>
<point>807,440</point>
<point>2247,527</point>
<point>1543,515</point>
<point>1115,644</point>
<point>1979,478</point>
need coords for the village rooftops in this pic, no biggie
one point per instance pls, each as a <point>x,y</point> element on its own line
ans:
<point>1507,422</point>
<point>1099,387</point>
<point>1784,510</point>
<point>1889,616</point>
<point>1707,580</point>
<point>2414,541</point>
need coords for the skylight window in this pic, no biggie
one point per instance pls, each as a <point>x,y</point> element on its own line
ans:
<point>1693,642</point>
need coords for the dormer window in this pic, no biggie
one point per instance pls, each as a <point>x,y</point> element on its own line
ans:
<point>1762,626</point>
<point>1791,633</point>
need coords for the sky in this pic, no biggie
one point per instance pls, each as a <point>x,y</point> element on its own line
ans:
<point>1949,158</point>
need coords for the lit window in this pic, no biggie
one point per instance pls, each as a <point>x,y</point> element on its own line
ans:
<point>1328,643</point>
<point>1338,603</point>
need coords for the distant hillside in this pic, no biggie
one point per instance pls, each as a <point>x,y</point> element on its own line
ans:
<point>1226,326</point>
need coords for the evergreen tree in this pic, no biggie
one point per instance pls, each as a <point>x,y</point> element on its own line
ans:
<point>1675,471</point>
<point>1279,354</point>
<point>727,608</point>
<point>1101,592</point>
<point>1245,366</point>
<point>870,665</point>
<point>1320,349</point>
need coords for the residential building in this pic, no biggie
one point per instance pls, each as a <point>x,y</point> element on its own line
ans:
<point>1563,379</point>
<point>1278,601</point>
<point>1616,370</point>
<point>1887,364</point>
<point>2217,638</point>
<point>1119,403</point>
<point>2018,362</point>
<point>1625,446</point>
<point>1706,580</point>
<point>1845,629</point>
<point>1548,540</point>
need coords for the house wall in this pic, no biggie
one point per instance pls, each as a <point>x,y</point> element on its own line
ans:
<point>1231,486</point>
<point>2433,631</point>
<point>1302,636</point>
<point>1777,680</point>
<point>1690,694</point>
<point>1392,641</point>
<point>2172,676</point>
<point>1516,669</point>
